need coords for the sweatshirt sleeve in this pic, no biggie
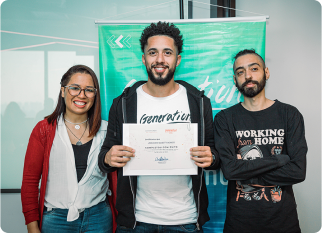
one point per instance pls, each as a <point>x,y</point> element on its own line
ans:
<point>113,137</point>
<point>237,169</point>
<point>32,170</point>
<point>209,134</point>
<point>294,141</point>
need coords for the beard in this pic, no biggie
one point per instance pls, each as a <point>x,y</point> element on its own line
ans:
<point>253,91</point>
<point>157,79</point>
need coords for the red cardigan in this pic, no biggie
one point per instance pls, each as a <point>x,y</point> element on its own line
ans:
<point>36,168</point>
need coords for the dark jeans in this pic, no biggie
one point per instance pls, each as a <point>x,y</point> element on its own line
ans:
<point>151,228</point>
<point>96,219</point>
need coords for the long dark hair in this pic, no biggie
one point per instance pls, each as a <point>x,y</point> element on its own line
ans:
<point>94,113</point>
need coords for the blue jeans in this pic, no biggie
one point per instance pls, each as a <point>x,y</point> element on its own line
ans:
<point>96,219</point>
<point>151,228</point>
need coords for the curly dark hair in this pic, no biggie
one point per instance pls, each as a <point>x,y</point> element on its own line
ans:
<point>162,28</point>
<point>248,51</point>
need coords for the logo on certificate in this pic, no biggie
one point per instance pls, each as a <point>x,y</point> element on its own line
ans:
<point>170,131</point>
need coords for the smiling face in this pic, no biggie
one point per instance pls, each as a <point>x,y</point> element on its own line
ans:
<point>160,59</point>
<point>250,75</point>
<point>80,104</point>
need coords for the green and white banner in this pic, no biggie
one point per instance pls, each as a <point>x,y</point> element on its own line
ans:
<point>207,61</point>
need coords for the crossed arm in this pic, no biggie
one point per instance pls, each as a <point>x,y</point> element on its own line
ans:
<point>282,169</point>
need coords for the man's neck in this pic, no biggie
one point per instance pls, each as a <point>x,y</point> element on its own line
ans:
<point>257,103</point>
<point>160,91</point>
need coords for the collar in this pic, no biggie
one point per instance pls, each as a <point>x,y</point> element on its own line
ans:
<point>129,91</point>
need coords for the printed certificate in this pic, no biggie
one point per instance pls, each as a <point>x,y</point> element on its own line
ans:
<point>160,149</point>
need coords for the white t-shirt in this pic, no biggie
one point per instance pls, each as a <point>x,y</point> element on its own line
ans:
<point>164,200</point>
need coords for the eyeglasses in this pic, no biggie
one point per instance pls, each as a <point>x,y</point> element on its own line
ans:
<point>89,92</point>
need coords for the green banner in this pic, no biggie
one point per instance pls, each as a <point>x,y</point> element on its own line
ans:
<point>207,61</point>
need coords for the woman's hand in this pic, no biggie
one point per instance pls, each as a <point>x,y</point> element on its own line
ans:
<point>33,227</point>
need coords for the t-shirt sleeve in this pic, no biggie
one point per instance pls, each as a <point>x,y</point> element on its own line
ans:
<point>232,167</point>
<point>294,171</point>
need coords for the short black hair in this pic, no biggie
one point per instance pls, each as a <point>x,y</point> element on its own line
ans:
<point>247,51</point>
<point>162,29</point>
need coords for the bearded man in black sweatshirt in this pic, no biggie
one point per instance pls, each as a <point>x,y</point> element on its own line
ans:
<point>262,147</point>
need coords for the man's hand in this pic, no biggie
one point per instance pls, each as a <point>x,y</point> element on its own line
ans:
<point>203,156</point>
<point>114,157</point>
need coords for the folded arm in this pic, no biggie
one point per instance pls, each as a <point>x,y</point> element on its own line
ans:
<point>295,145</point>
<point>238,169</point>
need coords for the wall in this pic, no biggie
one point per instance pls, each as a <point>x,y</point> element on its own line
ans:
<point>12,219</point>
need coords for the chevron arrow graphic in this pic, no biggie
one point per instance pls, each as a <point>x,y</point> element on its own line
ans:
<point>125,41</point>
<point>110,41</point>
<point>118,41</point>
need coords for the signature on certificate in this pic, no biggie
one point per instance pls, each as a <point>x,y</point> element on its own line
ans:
<point>161,159</point>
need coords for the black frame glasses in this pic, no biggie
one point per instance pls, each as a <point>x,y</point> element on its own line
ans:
<point>81,89</point>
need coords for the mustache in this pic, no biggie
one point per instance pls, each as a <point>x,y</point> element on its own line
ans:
<point>249,81</point>
<point>158,64</point>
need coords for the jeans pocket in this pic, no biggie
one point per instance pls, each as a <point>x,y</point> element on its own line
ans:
<point>189,228</point>
<point>121,229</point>
<point>48,212</point>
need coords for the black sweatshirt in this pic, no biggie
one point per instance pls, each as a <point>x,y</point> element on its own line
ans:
<point>262,154</point>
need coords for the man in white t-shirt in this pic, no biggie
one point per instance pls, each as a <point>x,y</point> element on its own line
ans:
<point>176,203</point>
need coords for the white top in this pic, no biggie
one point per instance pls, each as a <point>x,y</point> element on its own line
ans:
<point>164,200</point>
<point>63,190</point>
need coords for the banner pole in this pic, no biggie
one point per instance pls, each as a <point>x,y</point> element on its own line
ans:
<point>209,20</point>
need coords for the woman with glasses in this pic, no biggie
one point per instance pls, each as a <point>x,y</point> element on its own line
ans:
<point>62,152</point>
